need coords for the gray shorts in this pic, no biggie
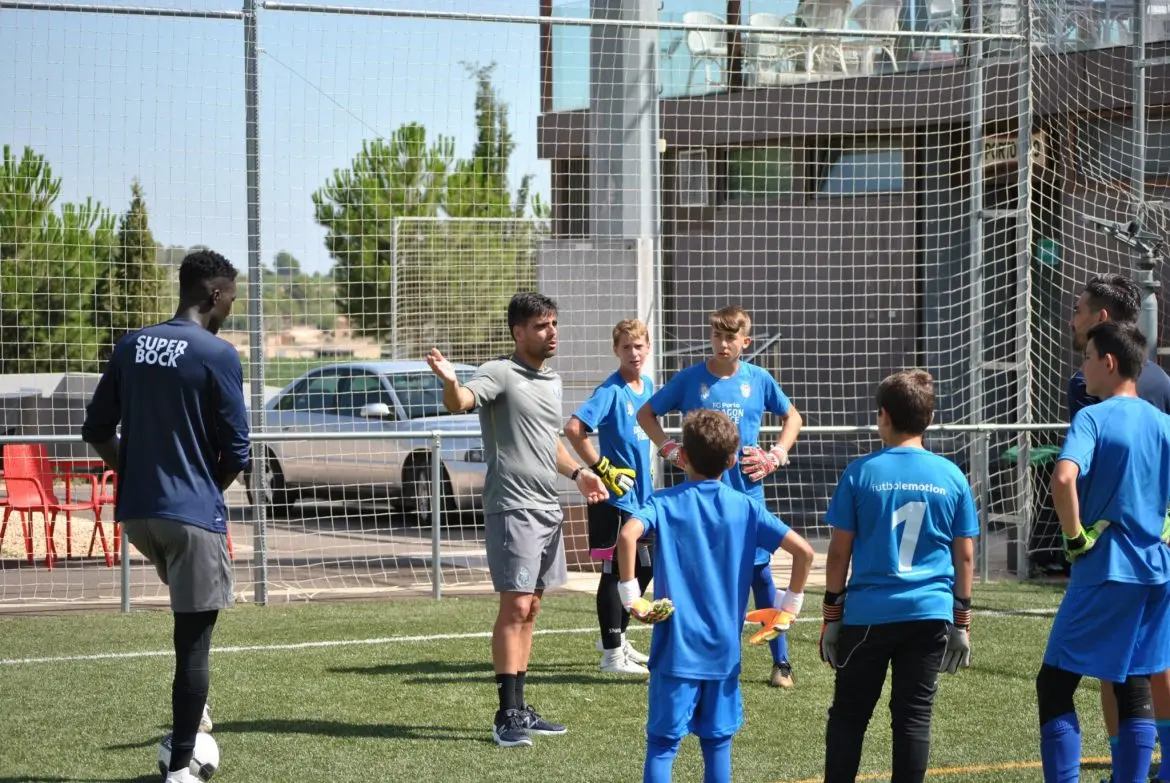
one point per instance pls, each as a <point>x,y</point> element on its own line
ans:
<point>191,561</point>
<point>525,550</point>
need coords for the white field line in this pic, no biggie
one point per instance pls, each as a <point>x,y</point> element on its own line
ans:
<point>380,640</point>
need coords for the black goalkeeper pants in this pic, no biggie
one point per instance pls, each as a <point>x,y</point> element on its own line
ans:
<point>914,651</point>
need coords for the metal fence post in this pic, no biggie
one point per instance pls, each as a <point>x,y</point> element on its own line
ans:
<point>124,568</point>
<point>394,288</point>
<point>436,514</point>
<point>256,302</point>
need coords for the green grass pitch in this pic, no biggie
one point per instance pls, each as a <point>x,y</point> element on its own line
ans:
<point>390,702</point>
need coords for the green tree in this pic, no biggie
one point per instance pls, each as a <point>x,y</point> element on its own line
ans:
<point>134,290</point>
<point>403,176</point>
<point>49,267</point>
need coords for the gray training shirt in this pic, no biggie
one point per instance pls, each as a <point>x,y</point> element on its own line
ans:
<point>520,416</point>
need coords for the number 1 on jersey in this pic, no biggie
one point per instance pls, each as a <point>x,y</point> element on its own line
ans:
<point>912,514</point>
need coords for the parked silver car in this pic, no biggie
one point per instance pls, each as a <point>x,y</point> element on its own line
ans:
<point>371,397</point>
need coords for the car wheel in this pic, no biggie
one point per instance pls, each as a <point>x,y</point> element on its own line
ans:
<point>277,497</point>
<point>418,493</point>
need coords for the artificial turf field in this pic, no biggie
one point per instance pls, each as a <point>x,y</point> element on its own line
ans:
<point>402,691</point>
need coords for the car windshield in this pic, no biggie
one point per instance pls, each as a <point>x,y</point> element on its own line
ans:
<point>421,394</point>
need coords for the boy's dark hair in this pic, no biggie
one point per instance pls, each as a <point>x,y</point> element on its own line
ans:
<point>907,397</point>
<point>203,265</point>
<point>1118,295</point>
<point>710,440</point>
<point>528,304</point>
<point>731,320</point>
<point>1125,342</point>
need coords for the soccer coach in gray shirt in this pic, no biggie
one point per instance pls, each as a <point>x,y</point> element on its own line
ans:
<point>519,404</point>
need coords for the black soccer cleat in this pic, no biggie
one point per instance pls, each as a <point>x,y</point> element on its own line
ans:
<point>538,725</point>
<point>511,729</point>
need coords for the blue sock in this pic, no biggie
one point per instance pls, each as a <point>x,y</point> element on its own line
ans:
<point>779,648</point>
<point>716,760</point>
<point>1060,749</point>
<point>1134,750</point>
<point>1163,727</point>
<point>660,753</point>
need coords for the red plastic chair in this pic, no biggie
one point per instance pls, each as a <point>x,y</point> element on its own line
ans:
<point>107,495</point>
<point>29,478</point>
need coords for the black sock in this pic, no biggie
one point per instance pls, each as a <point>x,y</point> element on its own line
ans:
<point>520,689</point>
<point>610,614</point>
<point>192,639</point>
<point>506,687</point>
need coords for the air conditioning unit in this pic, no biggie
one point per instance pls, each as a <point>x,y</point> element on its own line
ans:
<point>691,176</point>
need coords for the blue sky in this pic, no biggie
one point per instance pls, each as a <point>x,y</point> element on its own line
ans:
<point>110,98</point>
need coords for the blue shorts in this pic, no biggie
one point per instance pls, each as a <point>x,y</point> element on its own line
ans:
<point>1112,631</point>
<point>709,709</point>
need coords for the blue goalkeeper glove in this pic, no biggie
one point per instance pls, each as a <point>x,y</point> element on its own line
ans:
<point>1079,545</point>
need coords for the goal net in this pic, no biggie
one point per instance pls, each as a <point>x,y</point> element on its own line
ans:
<point>879,184</point>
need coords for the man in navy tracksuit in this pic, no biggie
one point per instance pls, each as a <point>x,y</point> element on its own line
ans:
<point>177,390</point>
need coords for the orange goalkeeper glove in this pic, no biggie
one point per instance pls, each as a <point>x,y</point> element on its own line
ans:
<point>775,621</point>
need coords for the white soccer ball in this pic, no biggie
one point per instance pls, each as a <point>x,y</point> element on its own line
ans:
<point>204,762</point>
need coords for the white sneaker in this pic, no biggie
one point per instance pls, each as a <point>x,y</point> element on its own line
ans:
<point>616,662</point>
<point>181,776</point>
<point>205,721</point>
<point>632,654</point>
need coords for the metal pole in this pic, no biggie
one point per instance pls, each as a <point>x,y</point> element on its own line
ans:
<point>394,287</point>
<point>980,456</point>
<point>1024,288</point>
<point>1144,265</point>
<point>124,567</point>
<point>436,514</point>
<point>255,303</point>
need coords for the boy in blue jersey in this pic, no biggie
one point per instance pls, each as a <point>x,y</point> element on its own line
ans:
<point>1118,298</point>
<point>177,390</point>
<point>744,393</point>
<point>622,460</point>
<point>1110,488</point>
<point>906,519</point>
<point>705,539</point>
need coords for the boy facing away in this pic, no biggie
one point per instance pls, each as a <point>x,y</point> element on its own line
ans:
<point>906,518</point>
<point>744,392</point>
<point>706,538</point>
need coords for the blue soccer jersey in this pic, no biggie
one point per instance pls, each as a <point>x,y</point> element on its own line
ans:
<point>612,412</point>
<point>904,506</point>
<point>177,390</point>
<point>1122,447</point>
<point>744,397</point>
<point>705,537</point>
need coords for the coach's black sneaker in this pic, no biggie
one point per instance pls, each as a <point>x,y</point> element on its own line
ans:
<point>781,675</point>
<point>511,729</point>
<point>538,725</point>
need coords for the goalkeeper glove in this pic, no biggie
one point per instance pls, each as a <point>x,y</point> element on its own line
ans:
<point>758,463</point>
<point>1077,546</point>
<point>1166,528</point>
<point>640,609</point>
<point>671,452</point>
<point>832,617</point>
<point>958,652</point>
<point>617,480</point>
<point>776,621</point>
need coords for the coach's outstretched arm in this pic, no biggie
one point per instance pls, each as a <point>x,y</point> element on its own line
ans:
<point>456,398</point>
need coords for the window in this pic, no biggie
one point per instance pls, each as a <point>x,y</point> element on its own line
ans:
<point>759,173</point>
<point>359,390</point>
<point>1105,149</point>
<point>315,394</point>
<point>858,171</point>
<point>690,178</point>
<point>421,394</point>
<point>571,198</point>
